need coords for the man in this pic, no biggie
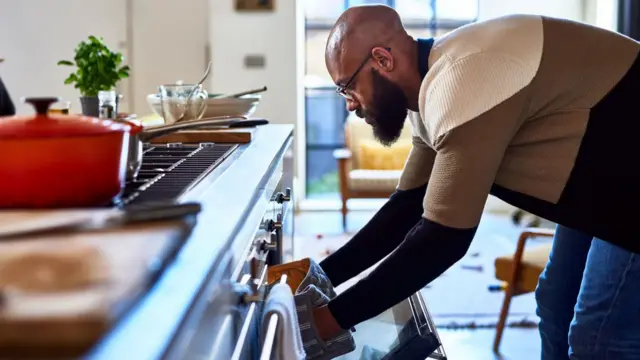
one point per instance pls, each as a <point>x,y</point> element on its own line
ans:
<point>540,112</point>
<point>6,105</point>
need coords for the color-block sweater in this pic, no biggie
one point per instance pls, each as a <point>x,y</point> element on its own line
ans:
<point>542,113</point>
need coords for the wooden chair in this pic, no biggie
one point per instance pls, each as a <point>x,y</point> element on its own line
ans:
<point>521,272</point>
<point>356,182</point>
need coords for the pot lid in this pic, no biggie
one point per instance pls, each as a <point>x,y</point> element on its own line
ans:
<point>42,125</point>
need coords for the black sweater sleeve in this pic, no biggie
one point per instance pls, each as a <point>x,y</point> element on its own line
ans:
<point>378,238</point>
<point>427,251</point>
<point>6,105</point>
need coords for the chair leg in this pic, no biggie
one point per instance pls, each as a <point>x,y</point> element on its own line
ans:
<point>344,211</point>
<point>508,294</point>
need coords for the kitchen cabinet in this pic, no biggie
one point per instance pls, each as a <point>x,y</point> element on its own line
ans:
<point>162,40</point>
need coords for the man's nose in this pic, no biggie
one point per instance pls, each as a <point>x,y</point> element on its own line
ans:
<point>351,105</point>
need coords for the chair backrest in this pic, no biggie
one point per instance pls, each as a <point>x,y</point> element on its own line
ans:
<point>357,130</point>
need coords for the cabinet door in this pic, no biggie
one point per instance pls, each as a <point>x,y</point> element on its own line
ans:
<point>35,34</point>
<point>169,43</point>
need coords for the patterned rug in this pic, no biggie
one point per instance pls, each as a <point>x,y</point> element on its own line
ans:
<point>460,297</point>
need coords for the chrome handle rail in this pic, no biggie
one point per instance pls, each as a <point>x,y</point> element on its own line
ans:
<point>251,300</point>
<point>270,337</point>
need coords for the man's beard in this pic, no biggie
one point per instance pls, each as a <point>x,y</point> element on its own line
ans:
<point>389,110</point>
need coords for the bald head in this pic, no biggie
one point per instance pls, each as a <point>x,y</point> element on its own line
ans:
<point>373,61</point>
<point>359,29</point>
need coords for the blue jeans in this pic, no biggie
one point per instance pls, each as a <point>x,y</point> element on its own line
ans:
<point>589,300</point>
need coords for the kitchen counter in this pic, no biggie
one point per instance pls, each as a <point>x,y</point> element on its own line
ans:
<point>236,193</point>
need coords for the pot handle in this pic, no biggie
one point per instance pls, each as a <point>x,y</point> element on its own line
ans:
<point>41,104</point>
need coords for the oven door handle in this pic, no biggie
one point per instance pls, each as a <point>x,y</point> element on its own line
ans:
<point>271,339</point>
<point>251,298</point>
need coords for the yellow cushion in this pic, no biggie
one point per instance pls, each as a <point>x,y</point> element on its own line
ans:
<point>533,262</point>
<point>375,156</point>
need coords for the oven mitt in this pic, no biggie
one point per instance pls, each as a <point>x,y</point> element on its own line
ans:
<point>308,298</point>
<point>301,274</point>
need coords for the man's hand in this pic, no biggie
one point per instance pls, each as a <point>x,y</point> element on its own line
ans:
<point>325,322</point>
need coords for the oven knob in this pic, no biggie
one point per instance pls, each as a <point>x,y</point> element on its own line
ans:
<point>266,246</point>
<point>273,225</point>
<point>282,197</point>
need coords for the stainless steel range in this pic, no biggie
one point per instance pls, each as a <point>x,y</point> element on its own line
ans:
<point>170,170</point>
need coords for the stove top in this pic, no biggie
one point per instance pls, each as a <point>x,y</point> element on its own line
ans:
<point>170,170</point>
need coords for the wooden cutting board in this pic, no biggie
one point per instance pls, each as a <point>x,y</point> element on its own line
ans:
<point>67,324</point>
<point>235,136</point>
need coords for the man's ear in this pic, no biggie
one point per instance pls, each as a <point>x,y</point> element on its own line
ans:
<point>383,58</point>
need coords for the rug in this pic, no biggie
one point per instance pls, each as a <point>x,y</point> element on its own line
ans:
<point>459,298</point>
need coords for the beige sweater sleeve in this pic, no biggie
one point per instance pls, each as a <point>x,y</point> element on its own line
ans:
<point>417,168</point>
<point>469,157</point>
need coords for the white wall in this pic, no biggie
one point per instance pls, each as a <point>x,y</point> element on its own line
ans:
<point>279,37</point>
<point>169,41</point>
<point>35,34</point>
<point>162,40</point>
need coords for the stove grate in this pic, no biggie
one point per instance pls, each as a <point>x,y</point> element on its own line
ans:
<point>170,170</point>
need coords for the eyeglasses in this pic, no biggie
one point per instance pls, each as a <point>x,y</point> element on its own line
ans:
<point>342,90</point>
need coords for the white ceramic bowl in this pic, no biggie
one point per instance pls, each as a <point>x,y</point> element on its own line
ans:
<point>243,106</point>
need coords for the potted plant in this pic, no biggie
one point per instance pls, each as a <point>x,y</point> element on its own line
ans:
<point>98,68</point>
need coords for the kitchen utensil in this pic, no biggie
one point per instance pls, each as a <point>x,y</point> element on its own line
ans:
<point>204,77</point>
<point>248,123</point>
<point>199,107</point>
<point>105,219</point>
<point>182,102</point>
<point>243,93</point>
<point>240,124</point>
<point>60,160</point>
<point>140,135</point>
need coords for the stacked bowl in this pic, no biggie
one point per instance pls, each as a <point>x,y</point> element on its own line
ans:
<point>217,105</point>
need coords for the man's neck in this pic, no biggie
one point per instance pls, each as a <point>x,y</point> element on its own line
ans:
<point>420,64</point>
<point>411,84</point>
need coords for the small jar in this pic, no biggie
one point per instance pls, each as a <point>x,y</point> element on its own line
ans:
<point>107,104</point>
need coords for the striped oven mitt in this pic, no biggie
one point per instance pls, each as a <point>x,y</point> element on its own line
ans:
<point>312,288</point>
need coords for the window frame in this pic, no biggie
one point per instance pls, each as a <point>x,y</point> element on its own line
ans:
<point>434,23</point>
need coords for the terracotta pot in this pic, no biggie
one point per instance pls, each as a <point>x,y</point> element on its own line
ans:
<point>56,161</point>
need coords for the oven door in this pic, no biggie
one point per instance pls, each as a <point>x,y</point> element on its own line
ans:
<point>404,332</point>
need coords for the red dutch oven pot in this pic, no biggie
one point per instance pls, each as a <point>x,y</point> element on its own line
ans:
<point>60,161</point>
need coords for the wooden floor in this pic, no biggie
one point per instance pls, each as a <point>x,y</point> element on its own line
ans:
<point>517,344</point>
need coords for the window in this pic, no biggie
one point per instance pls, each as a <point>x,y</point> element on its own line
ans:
<point>325,109</point>
<point>323,9</point>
